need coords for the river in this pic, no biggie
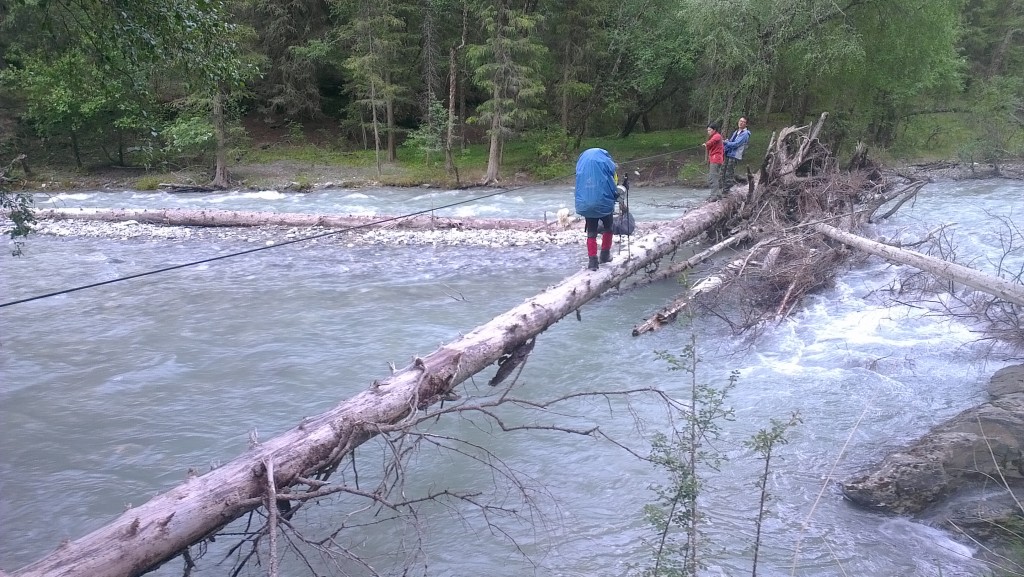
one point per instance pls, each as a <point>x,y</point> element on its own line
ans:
<point>110,395</point>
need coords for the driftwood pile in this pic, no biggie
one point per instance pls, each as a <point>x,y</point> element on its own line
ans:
<point>798,218</point>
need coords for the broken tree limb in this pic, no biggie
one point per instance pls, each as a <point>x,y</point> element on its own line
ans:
<point>271,506</point>
<point>908,193</point>
<point>144,537</point>
<point>995,286</point>
<point>669,312</point>
<point>675,269</point>
<point>867,213</point>
<point>783,160</point>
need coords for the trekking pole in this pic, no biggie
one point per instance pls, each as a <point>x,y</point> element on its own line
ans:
<point>625,217</point>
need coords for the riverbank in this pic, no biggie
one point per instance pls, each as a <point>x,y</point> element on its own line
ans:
<point>289,175</point>
<point>550,233</point>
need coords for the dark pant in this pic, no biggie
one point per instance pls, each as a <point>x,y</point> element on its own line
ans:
<point>714,177</point>
<point>591,225</point>
<point>727,178</point>
<point>606,233</point>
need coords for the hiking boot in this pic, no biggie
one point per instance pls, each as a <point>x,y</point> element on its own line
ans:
<point>606,256</point>
<point>592,264</point>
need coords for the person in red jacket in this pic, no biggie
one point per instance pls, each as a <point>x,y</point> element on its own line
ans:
<point>716,156</point>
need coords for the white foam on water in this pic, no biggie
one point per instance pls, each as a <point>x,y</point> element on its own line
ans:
<point>64,197</point>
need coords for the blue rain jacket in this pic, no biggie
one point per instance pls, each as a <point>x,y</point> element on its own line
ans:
<point>595,183</point>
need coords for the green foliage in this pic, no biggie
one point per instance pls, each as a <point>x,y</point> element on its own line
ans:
<point>62,96</point>
<point>94,71</point>
<point>282,28</point>
<point>930,137</point>
<point>693,172</point>
<point>102,72</point>
<point>999,104</point>
<point>553,155</point>
<point>685,455</point>
<point>992,36</point>
<point>19,210</point>
<point>295,134</point>
<point>373,48</point>
<point>507,67</point>
<point>429,137</point>
<point>189,134</point>
<point>18,207</point>
<point>1014,533</point>
<point>553,147</point>
<point>148,182</point>
<point>764,443</point>
<point>302,183</point>
<point>899,67</point>
<point>70,98</point>
<point>682,455</point>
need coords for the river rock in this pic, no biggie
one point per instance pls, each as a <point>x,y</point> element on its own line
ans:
<point>971,459</point>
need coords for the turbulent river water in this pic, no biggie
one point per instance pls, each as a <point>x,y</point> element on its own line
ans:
<point>110,395</point>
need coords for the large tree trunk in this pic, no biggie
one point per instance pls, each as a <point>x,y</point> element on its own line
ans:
<point>453,82</point>
<point>376,126</point>
<point>206,217</point>
<point>995,286</point>
<point>494,150</point>
<point>389,110</point>
<point>146,536</point>
<point>220,172</point>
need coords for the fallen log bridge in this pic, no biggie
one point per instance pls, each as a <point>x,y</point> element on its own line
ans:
<point>144,537</point>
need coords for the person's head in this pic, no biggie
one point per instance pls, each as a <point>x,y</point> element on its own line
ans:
<point>742,123</point>
<point>712,127</point>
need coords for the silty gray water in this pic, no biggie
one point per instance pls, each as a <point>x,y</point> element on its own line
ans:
<point>110,395</point>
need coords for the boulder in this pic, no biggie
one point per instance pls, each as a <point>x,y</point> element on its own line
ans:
<point>977,450</point>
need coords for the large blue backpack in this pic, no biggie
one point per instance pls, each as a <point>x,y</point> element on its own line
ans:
<point>595,183</point>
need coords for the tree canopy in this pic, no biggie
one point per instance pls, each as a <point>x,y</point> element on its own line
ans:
<point>93,73</point>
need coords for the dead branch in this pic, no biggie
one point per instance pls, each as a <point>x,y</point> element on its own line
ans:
<point>271,505</point>
<point>908,193</point>
<point>677,268</point>
<point>671,311</point>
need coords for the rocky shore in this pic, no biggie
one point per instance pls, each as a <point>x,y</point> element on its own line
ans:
<point>552,235</point>
<point>966,474</point>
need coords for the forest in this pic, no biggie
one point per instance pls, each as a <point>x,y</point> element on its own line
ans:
<point>151,83</point>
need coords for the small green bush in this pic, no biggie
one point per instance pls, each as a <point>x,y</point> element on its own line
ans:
<point>148,182</point>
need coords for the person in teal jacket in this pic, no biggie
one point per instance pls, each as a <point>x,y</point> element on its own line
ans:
<point>734,148</point>
<point>596,193</point>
